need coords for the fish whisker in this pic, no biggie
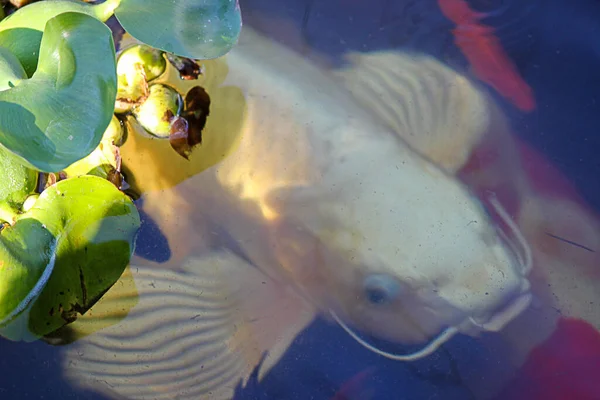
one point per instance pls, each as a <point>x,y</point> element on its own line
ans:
<point>570,242</point>
<point>427,350</point>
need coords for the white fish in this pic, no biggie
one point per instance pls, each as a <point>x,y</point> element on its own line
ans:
<point>336,209</point>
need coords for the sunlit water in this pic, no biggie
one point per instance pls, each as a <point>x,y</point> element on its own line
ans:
<point>551,349</point>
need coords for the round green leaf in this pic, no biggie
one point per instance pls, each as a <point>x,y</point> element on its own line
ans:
<point>62,255</point>
<point>17,182</point>
<point>12,70</point>
<point>26,263</point>
<point>197,29</point>
<point>58,116</point>
<point>103,159</point>
<point>21,32</point>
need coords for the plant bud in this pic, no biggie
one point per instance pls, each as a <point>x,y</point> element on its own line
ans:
<point>156,112</point>
<point>29,202</point>
<point>151,59</point>
<point>136,66</point>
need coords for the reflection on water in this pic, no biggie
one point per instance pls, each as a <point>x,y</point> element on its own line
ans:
<point>390,195</point>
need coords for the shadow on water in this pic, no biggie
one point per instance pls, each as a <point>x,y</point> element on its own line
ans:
<point>33,371</point>
<point>151,243</point>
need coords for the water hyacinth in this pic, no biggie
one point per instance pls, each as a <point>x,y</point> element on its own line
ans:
<point>103,159</point>
<point>66,42</point>
<point>136,66</point>
<point>149,58</point>
<point>67,229</point>
<point>157,111</point>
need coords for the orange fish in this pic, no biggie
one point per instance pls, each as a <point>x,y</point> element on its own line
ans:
<point>484,52</point>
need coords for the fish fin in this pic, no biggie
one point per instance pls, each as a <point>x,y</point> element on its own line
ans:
<point>194,334</point>
<point>437,111</point>
<point>565,238</point>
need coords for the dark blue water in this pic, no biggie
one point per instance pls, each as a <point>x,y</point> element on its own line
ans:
<point>555,47</point>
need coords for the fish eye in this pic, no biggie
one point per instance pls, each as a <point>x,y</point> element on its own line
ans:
<point>380,288</point>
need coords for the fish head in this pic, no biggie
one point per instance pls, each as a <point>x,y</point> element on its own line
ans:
<point>402,251</point>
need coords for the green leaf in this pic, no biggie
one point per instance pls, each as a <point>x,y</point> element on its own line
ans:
<point>26,263</point>
<point>59,115</point>
<point>62,255</point>
<point>17,182</point>
<point>196,29</point>
<point>24,44</point>
<point>21,32</point>
<point>12,70</point>
<point>103,159</point>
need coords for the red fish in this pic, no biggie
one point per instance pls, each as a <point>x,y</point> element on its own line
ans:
<point>353,388</point>
<point>484,52</point>
<point>566,366</point>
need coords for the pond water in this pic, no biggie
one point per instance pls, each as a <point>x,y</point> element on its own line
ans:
<point>503,102</point>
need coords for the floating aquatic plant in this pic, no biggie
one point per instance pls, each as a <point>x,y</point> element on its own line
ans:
<point>155,114</point>
<point>58,76</point>
<point>67,230</point>
<point>158,108</point>
<point>59,257</point>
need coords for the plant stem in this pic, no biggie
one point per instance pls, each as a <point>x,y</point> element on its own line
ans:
<point>7,214</point>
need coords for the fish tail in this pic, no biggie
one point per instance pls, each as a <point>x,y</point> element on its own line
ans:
<point>486,55</point>
<point>459,12</point>
<point>492,65</point>
<point>353,387</point>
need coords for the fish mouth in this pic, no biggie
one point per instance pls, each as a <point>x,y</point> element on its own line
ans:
<point>500,318</point>
<point>520,251</point>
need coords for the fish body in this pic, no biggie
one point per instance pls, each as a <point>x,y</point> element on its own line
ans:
<point>563,367</point>
<point>329,207</point>
<point>317,192</point>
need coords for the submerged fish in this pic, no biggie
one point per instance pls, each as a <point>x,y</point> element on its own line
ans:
<point>485,53</point>
<point>329,207</point>
<point>353,388</point>
<point>564,367</point>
